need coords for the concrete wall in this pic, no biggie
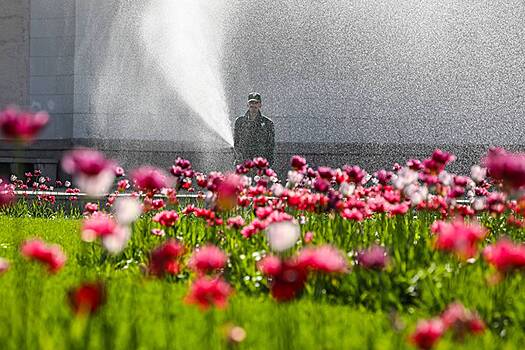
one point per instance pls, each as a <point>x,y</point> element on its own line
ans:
<point>14,52</point>
<point>52,51</point>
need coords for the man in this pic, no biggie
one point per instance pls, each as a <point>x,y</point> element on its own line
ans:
<point>254,134</point>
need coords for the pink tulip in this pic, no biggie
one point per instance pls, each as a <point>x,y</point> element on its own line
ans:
<point>50,255</point>
<point>208,259</point>
<point>92,172</point>
<point>114,236</point>
<point>22,126</point>
<point>505,255</point>
<point>166,218</point>
<point>458,237</point>
<point>461,321</point>
<point>86,161</point>
<point>207,292</point>
<point>323,259</point>
<point>235,222</point>
<point>4,265</point>
<point>509,168</point>
<point>7,194</point>
<point>374,257</point>
<point>149,179</point>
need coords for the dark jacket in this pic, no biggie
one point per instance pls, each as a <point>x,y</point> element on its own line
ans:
<point>254,138</point>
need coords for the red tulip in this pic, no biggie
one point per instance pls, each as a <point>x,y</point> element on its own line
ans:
<point>87,298</point>
<point>288,277</point>
<point>298,163</point>
<point>427,333</point>
<point>165,259</point>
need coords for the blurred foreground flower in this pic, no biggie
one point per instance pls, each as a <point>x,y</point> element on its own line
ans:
<point>4,265</point>
<point>456,319</point>
<point>458,237</point>
<point>208,259</point>
<point>87,298</point>
<point>427,333</point>
<point>127,210</point>
<point>50,255</point>
<point>282,235</point>
<point>207,292</point>
<point>324,258</point>
<point>7,194</point>
<point>22,126</point>
<point>92,172</point>
<point>508,168</point>
<point>149,179</point>
<point>234,334</point>
<point>227,189</point>
<point>114,236</point>
<point>375,258</point>
<point>287,277</point>
<point>505,255</point>
<point>165,259</point>
<point>461,321</point>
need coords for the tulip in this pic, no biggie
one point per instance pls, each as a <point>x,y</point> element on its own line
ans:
<point>323,259</point>
<point>505,255</point>
<point>21,126</point>
<point>149,179</point>
<point>87,298</point>
<point>4,265</point>
<point>208,259</point>
<point>208,292</point>
<point>427,333</point>
<point>165,259</point>
<point>375,258</point>
<point>50,255</point>
<point>166,218</point>
<point>282,235</point>
<point>93,173</point>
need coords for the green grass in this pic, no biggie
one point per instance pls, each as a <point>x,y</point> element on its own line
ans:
<point>353,311</point>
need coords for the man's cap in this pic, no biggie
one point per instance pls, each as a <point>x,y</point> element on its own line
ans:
<point>254,96</point>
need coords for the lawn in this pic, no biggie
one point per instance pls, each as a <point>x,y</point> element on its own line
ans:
<point>358,309</point>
